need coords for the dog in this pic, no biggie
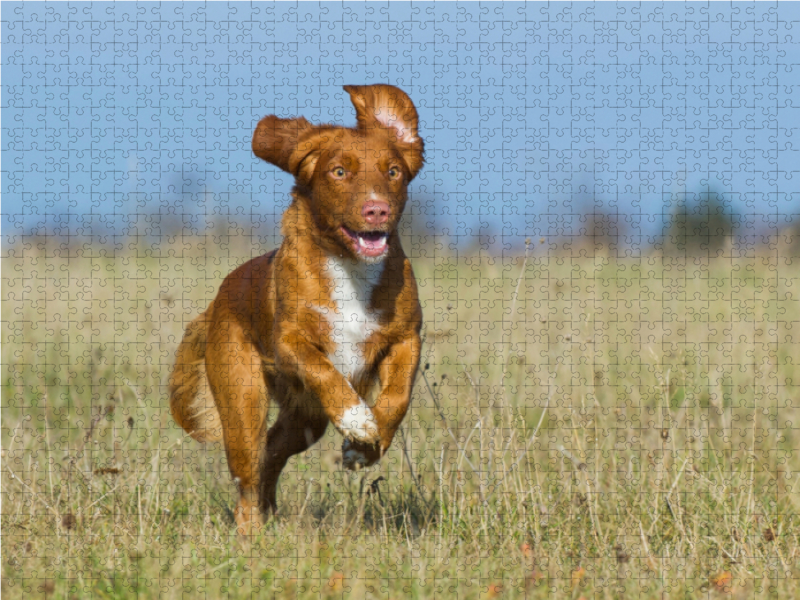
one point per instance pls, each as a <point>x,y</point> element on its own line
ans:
<point>324,323</point>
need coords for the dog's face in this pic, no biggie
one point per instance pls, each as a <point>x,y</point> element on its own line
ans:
<point>355,178</point>
<point>359,188</point>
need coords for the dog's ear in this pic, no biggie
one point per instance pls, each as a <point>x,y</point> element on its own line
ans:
<point>278,141</point>
<point>389,108</point>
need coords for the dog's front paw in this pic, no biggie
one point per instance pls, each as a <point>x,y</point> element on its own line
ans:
<point>356,456</point>
<point>352,458</point>
<point>358,424</point>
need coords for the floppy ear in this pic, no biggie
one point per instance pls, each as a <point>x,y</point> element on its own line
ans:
<point>390,109</point>
<point>276,141</point>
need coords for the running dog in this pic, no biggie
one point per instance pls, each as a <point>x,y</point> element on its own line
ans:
<point>323,323</point>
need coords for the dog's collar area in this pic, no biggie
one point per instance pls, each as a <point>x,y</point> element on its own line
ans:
<point>368,243</point>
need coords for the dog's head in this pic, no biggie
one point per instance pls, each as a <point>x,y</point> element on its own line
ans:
<point>355,179</point>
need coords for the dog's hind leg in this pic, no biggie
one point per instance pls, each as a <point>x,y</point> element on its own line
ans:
<point>291,434</point>
<point>234,371</point>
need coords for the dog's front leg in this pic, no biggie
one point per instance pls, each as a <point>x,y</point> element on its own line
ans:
<point>397,372</point>
<point>347,411</point>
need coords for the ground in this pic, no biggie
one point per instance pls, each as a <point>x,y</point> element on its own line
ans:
<point>626,429</point>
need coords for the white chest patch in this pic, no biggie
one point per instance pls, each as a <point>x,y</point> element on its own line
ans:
<point>352,323</point>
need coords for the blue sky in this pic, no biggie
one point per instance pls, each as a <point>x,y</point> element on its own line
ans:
<point>127,117</point>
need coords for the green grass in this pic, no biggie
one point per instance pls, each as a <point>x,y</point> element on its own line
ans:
<point>587,425</point>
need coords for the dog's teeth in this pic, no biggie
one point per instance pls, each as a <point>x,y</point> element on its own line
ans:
<point>373,243</point>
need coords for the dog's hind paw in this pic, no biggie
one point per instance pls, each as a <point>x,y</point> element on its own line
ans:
<point>358,423</point>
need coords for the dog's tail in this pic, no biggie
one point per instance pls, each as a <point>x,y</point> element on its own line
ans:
<point>190,399</point>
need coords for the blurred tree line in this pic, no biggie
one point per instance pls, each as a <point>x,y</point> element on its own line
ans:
<point>699,225</point>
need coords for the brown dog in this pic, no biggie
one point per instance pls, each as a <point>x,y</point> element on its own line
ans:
<point>327,320</point>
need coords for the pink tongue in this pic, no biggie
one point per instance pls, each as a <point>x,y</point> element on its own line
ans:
<point>372,241</point>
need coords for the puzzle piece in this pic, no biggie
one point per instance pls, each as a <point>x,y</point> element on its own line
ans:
<point>604,238</point>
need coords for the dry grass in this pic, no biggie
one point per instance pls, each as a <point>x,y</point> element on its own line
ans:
<point>586,426</point>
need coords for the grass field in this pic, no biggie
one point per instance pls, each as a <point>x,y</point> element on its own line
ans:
<point>585,425</point>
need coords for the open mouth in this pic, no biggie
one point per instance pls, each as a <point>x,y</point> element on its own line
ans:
<point>368,243</point>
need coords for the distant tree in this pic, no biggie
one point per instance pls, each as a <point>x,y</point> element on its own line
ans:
<point>601,228</point>
<point>700,227</point>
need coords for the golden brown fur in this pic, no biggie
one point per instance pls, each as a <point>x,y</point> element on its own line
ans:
<point>325,321</point>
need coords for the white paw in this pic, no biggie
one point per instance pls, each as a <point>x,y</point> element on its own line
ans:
<point>358,423</point>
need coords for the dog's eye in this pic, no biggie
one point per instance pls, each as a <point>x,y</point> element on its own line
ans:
<point>338,172</point>
<point>394,173</point>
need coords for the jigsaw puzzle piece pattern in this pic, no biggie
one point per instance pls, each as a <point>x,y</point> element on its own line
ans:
<point>603,242</point>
